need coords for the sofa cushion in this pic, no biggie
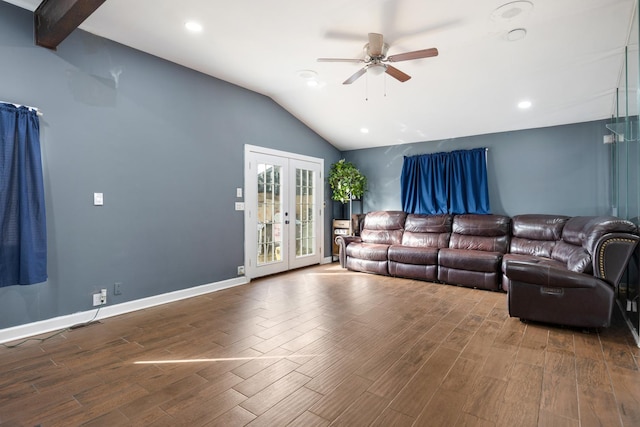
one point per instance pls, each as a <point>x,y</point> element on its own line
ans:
<point>575,258</point>
<point>479,243</point>
<point>368,251</point>
<point>413,255</point>
<point>383,227</point>
<point>469,259</point>
<point>417,223</point>
<point>542,248</point>
<point>427,230</point>
<point>433,240</point>
<point>536,234</point>
<point>574,230</point>
<point>474,279</point>
<point>414,271</point>
<point>530,258</point>
<point>539,227</point>
<point>481,225</point>
<point>368,266</point>
<point>481,233</point>
<point>384,220</point>
<point>384,237</point>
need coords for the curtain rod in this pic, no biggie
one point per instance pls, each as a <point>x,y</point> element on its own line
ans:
<point>36,109</point>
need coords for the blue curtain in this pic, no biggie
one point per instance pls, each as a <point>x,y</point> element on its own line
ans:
<point>23,248</point>
<point>454,182</point>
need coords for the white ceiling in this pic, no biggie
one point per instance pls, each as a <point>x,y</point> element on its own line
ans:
<point>568,65</point>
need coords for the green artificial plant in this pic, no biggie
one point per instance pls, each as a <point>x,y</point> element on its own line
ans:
<point>346,181</point>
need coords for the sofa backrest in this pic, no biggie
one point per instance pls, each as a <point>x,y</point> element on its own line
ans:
<point>384,227</point>
<point>427,230</point>
<point>489,233</point>
<point>580,236</point>
<point>536,234</point>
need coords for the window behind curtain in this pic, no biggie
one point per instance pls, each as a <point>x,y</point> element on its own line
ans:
<point>23,244</point>
<point>453,182</point>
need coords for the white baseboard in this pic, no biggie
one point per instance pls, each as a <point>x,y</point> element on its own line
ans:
<point>103,312</point>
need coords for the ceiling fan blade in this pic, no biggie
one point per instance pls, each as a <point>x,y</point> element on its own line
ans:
<point>340,60</point>
<point>355,77</point>
<point>375,44</point>
<point>416,54</point>
<point>396,74</point>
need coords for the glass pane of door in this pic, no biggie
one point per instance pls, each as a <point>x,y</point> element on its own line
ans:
<point>305,208</point>
<point>269,214</point>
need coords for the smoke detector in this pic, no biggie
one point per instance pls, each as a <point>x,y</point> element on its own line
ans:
<point>511,11</point>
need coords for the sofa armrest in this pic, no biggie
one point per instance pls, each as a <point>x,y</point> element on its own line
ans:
<point>548,276</point>
<point>612,254</point>
<point>553,294</point>
<point>343,242</point>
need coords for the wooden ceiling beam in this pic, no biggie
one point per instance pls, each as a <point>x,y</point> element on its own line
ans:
<point>56,19</point>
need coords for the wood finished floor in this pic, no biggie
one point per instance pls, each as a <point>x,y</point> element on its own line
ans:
<point>323,346</point>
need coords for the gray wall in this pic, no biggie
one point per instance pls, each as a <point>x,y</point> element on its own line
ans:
<point>165,146</point>
<point>556,170</point>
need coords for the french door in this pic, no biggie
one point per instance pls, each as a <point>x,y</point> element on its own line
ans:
<point>283,211</point>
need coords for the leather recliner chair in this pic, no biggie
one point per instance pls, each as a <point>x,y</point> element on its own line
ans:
<point>594,253</point>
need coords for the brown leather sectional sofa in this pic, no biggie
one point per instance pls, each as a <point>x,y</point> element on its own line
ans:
<point>555,268</point>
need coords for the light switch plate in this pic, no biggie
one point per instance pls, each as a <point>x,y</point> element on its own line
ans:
<point>239,206</point>
<point>239,193</point>
<point>98,199</point>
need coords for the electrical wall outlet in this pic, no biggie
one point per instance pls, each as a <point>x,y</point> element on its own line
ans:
<point>117,288</point>
<point>100,298</point>
<point>241,270</point>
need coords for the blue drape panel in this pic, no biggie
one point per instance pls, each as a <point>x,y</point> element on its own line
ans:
<point>409,184</point>
<point>454,182</point>
<point>23,248</point>
<point>436,192</point>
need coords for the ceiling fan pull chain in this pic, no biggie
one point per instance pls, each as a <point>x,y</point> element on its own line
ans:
<point>385,85</point>
<point>366,87</point>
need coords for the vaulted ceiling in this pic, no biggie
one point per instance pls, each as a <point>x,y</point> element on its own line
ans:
<point>565,57</point>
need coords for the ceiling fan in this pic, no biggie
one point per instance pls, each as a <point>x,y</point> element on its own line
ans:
<point>376,59</point>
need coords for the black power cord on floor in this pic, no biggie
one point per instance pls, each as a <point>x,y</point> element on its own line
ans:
<point>41,340</point>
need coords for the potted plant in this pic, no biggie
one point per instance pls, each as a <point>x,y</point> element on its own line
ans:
<point>347,182</point>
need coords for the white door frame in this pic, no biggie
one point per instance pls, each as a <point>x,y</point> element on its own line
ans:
<point>250,232</point>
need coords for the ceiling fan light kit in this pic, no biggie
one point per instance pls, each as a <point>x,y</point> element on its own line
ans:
<point>377,62</point>
<point>376,69</point>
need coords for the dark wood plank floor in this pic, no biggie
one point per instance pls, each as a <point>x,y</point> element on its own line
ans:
<point>323,346</point>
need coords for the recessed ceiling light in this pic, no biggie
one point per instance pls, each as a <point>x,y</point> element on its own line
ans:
<point>523,105</point>
<point>517,34</point>
<point>310,76</point>
<point>307,74</point>
<point>364,130</point>
<point>193,26</point>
